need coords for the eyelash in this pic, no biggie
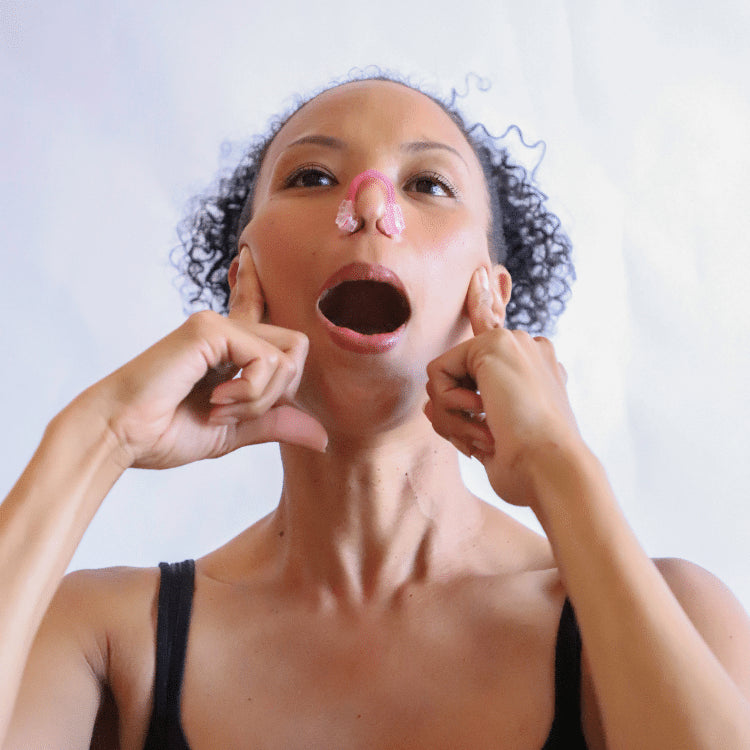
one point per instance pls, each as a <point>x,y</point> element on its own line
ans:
<point>437,179</point>
<point>315,169</point>
<point>308,169</point>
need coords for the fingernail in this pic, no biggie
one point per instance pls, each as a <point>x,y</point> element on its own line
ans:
<point>221,400</point>
<point>223,419</point>
<point>484,279</point>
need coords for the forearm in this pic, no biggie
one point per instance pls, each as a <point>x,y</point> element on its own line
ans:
<point>658,684</point>
<point>41,523</point>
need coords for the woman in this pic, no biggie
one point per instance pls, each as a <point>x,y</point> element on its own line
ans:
<point>381,604</point>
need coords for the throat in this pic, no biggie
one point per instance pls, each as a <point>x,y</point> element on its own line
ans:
<point>372,527</point>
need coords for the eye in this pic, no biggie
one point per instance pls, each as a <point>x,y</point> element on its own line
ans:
<point>310,175</point>
<point>431,183</point>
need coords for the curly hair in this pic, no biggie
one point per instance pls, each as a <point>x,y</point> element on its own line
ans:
<point>524,235</point>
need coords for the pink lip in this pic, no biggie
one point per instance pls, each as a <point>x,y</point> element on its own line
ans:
<point>346,338</point>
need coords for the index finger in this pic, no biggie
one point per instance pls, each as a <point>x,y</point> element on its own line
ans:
<point>246,303</point>
<point>479,303</point>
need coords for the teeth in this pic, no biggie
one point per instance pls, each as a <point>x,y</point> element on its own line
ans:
<point>368,307</point>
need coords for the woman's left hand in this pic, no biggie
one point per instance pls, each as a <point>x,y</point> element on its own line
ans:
<point>500,396</point>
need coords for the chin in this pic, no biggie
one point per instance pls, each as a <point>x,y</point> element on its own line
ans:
<point>363,403</point>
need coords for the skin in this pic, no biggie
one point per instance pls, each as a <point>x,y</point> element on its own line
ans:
<point>381,604</point>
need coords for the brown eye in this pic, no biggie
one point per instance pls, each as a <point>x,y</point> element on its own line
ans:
<point>309,176</point>
<point>431,184</point>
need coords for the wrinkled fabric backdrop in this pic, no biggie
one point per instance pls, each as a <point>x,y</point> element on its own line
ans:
<point>113,116</point>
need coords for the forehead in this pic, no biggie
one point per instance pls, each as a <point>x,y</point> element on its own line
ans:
<point>381,112</point>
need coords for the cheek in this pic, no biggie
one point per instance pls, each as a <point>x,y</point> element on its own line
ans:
<point>283,263</point>
<point>457,257</point>
<point>276,239</point>
<point>447,273</point>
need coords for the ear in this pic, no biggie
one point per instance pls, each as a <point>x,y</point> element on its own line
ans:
<point>501,285</point>
<point>234,268</point>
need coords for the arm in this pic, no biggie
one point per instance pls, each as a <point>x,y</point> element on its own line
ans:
<point>174,404</point>
<point>41,523</point>
<point>64,676</point>
<point>667,646</point>
<point>669,669</point>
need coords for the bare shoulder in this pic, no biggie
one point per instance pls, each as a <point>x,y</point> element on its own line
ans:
<point>112,584</point>
<point>100,599</point>
<point>112,613</point>
<point>93,651</point>
<point>716,613</point>
<point>700,593</point>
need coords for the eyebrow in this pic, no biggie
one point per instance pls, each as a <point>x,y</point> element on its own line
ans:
<point>417,146</point>
<point>409,147</point>
<point>319,140</point>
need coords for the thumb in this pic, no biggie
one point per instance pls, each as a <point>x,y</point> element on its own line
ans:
<point>480,303</point>
<point>246,302</point>
<point>284,424</point>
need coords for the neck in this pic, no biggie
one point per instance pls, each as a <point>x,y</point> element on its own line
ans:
<point>364,520</point>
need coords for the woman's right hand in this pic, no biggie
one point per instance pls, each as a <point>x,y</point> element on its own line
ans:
<point>179,401</point>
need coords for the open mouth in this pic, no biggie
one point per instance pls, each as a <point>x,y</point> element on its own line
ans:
<point>366,306</point>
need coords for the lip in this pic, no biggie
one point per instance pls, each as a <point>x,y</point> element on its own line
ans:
<point>346,338</point>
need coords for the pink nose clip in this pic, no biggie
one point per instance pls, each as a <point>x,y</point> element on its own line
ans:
<point>392,221</point>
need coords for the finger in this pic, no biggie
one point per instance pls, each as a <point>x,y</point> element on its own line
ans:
<point>262,385</point>
<point>456,427</point>
<point>285,339</point>
<point>450,371</point>
<point>548,352</point>
<point>252,384</point>
<point>284,424</point>
<point>480,303</point>
<point>545,344</point>
<point>470,446</point>
<point>293,344</point>
<point>459,400</point>
<point>247,303</point>
<point>214,378</point>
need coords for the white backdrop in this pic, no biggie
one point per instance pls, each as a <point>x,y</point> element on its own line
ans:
<point>113,116</point>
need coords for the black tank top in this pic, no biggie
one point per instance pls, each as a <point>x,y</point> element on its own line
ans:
<point>173,622</point>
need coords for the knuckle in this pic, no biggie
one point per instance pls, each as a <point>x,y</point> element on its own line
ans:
<point>254,391</point>
<point>287,366</point>
<point>300,342</point>
<point>544,342</point>
<point>260,407</point>
<point>202,323</point>
<point>496,335</point>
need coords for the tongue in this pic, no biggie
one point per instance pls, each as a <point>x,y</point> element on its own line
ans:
<point>368,307</point>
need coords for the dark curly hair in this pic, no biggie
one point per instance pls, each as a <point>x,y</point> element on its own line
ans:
<point>524,235</point>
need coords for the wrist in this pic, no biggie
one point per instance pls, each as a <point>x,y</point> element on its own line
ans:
<point>556,474</point>
<point>87,422</point>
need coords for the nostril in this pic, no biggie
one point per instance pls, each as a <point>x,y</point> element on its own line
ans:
<point>371,198</point>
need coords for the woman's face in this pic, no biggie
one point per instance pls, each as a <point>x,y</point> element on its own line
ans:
<point>297,247</point>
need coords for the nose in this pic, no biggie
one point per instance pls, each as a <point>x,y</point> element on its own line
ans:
<point>371,200</point>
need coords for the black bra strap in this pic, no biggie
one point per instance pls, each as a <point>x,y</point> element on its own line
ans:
<point>566,729</point>
<point>172,625</point>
